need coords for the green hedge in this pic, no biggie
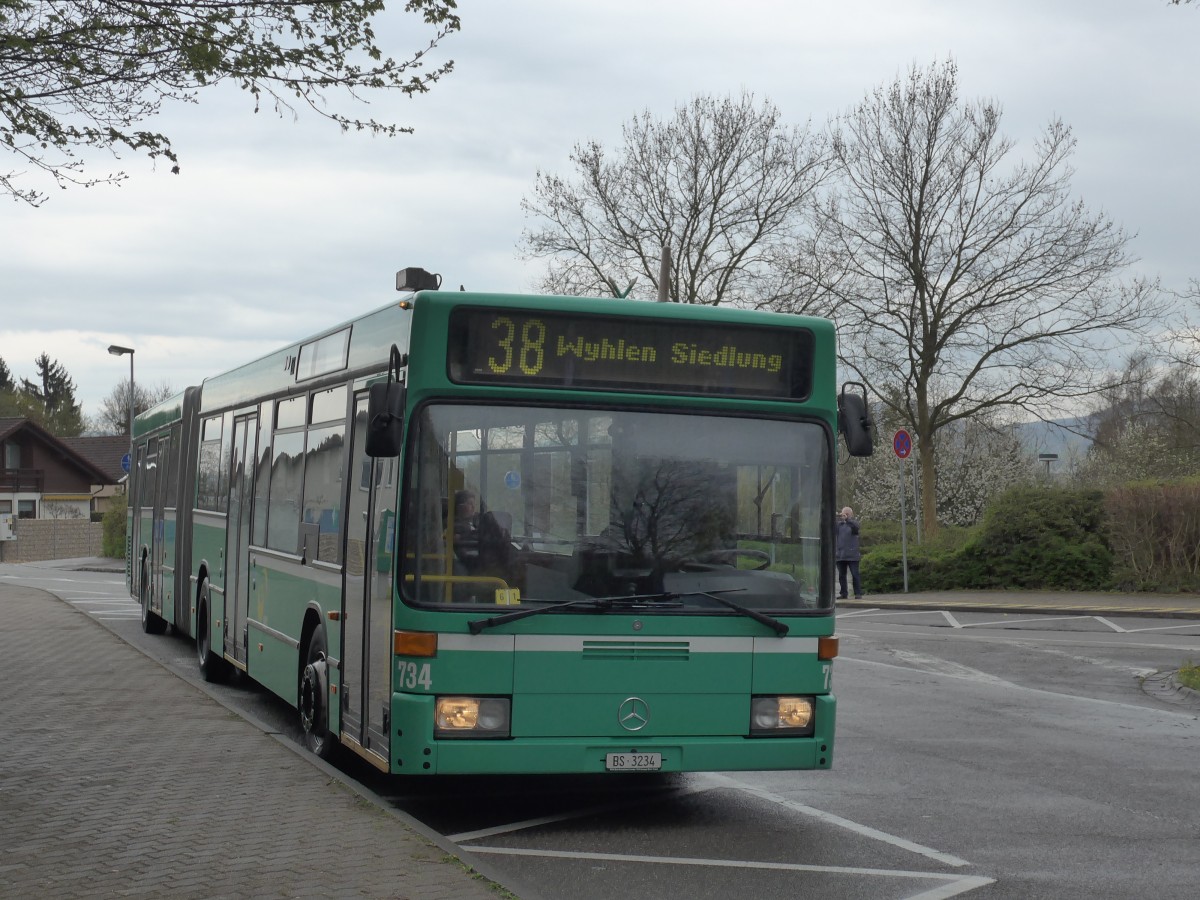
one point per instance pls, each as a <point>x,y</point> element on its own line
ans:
<point>1154,530</point>
<point>1031,537</point>
<point>113,544</point>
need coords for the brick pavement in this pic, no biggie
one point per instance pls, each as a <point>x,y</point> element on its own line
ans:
<point>118,779</point>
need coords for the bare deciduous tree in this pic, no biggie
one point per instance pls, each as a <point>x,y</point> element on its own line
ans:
<point>722,184</point>
<point>86,73</point>
<point>972,282</point>
<point>1182,343</point>
<point>113,417</point>
<point>1146,425</point>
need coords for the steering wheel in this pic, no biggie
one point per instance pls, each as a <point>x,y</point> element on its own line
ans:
<point>730,555</point>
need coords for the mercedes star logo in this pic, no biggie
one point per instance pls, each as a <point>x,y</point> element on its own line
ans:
<point>634,714</point>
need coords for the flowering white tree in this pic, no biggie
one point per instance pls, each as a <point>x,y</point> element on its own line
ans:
<point>976,460</point>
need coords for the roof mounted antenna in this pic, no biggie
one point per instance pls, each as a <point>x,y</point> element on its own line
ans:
<point>415,279</point>
<point>617,292</point>
<point>664,275</point>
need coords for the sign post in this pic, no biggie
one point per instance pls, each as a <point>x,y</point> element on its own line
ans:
<point>902,445</point>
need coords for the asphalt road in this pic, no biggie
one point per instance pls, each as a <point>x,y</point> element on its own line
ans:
<point>979,754</point>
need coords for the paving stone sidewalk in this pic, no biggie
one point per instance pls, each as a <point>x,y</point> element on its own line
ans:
<point>118,779</point>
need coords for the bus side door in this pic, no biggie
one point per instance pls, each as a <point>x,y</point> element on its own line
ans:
<point>367,616</point>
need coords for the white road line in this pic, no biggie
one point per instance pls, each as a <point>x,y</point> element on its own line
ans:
<point>1163,628</point>
<point>1149,710</point>
<point>39,579</point>
<point>954,888</point>
<point>709,781</point>
<point>879,612</point>
<point>1007,622</point>
<point>949,618</point>
<point>957,884</point>
<point>1115,627</point>
<point>830,818</point>
<point>935,665</point>
<point>574,814</point>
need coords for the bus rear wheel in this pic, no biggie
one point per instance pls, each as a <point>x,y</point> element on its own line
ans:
<point>314,697</point>
<point>152,622</point>
<point>213,668</point>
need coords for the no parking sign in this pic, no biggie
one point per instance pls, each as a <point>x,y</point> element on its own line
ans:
<point>902,444</point>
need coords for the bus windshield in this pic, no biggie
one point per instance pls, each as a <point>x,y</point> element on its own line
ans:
<point>524,505</point>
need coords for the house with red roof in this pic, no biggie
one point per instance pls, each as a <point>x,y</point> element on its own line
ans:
<point>47,477</point>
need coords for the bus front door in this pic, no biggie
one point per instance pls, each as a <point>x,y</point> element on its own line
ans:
<point>367,617</point>
<point>237,534</point>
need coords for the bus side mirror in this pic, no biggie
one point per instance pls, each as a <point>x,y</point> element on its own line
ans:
<point>385,416</point>
<point>854,420</point>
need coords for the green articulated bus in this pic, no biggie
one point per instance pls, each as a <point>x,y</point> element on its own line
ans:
<point>488,533</point>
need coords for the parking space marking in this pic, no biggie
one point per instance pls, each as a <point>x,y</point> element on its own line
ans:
<point>1027,620</point>
<point>829,818</point>
<point>510,827</point>
<point>1097,701</point>
<point>955,883</point>
<point>104,606</point>
<point>952,886</point>
<point>1009,623</point>
<point>1193,625</point>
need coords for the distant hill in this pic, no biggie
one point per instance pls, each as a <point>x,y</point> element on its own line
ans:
<point>1057,436</point>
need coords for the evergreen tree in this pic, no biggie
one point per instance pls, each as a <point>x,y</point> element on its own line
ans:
<point>53,394</point>
<point>9,400</point>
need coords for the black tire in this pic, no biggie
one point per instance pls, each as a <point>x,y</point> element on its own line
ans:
<point>313,700</point>
<point>213,667</point>
<point>152,622</point>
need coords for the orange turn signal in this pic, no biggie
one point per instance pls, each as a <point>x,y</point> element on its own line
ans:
<point>414,643</point>
<point>827,647</point>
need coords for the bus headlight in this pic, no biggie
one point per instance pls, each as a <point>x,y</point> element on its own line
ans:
<point>472,717</point>
<point>791,716</point>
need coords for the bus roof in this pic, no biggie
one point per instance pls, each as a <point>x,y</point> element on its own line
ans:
<point>362,344</point>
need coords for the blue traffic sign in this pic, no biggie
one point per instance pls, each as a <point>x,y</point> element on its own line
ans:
<point>902,444</point>
<point>124,463</point>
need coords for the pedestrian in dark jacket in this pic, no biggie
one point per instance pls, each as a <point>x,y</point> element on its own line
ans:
<point>848,553</point>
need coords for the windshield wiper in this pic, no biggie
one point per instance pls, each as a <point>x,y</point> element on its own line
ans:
<point>608,603</point>
<point>605,603</point>
<point>779,627</point>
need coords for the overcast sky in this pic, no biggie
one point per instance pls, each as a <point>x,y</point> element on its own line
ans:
<point>279,228</point>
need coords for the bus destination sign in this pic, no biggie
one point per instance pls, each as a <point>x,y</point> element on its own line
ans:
<point>596,352</point>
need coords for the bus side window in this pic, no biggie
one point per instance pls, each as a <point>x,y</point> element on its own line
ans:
<point>322,489</point>
<point>287,479</point>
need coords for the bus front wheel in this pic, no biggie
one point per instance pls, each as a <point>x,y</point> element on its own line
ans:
<point>213,668</point>
<point>314,697</point>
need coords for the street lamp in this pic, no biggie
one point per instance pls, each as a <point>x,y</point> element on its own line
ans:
<point>121,351</point>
